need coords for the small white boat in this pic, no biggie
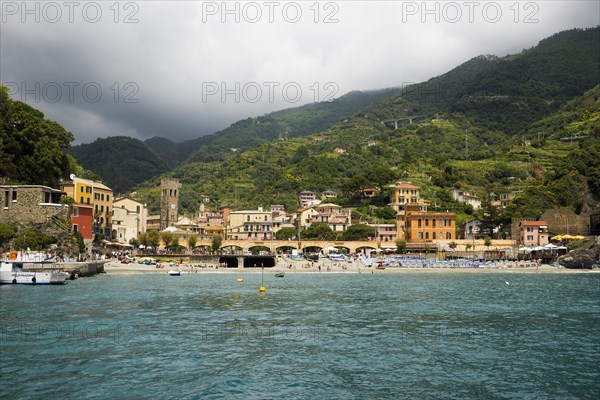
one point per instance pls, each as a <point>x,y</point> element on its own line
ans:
<point>11,272</point>
<point>175,273</point>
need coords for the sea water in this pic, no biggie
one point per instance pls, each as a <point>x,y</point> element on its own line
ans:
<point>309,336</point>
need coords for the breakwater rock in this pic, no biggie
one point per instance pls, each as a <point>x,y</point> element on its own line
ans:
<point>584,255</point>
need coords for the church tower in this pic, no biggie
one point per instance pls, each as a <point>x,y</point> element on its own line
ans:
<point>169,202</point>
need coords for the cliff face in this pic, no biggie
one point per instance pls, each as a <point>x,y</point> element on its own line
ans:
<point>584,254</point>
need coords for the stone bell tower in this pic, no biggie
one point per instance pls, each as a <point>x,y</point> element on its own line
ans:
<point>169,202</point>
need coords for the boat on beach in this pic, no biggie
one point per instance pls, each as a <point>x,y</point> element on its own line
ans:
<point>12,272</point>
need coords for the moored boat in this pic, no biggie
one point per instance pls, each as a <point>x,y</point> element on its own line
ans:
<point>175,273</point>
<point>279,275</point>
<point>12,272</point>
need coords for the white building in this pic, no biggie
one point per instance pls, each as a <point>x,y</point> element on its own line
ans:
<point>466,197</point>
<point>250,224</point>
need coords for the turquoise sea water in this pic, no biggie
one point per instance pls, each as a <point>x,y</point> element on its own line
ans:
<point>310,336</point>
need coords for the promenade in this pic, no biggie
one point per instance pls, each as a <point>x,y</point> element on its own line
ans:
<point>325,266</point>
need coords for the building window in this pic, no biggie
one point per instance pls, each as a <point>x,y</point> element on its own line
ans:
<point>75,228</point>
<point>88,200</point>
<point>101,220</point>
<point>426,221</point>
<point>433,223</point>
<point>420,235</point>
<point>426,235</point>
<point>137,209</point>
<point>433,235</point>
<point>102,196</point>
<point>529,237</point>
<point>107,197</point>
<point>81,199</point>
<point>419,222</point>
<point>75,212</point>
<point>14,195</point>
<point>81,187</point>
<point>448,235</point>
<point>6,194</point>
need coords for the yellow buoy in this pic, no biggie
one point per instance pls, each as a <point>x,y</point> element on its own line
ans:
<point>240,279</point>
<point>261,289</point>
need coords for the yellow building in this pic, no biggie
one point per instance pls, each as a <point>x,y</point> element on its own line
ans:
<point>96,194</point>
<point>404,193</point>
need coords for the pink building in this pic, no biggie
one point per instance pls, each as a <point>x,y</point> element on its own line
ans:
<point>534,233</point>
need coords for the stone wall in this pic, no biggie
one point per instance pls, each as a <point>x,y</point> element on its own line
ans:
<point>564,221</point>
<point>26,205</point>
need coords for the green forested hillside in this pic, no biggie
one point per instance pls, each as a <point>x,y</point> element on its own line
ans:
<point>446,149</point>
<point>285,124</point>
<point>121,161</point>
<point>124,165</point>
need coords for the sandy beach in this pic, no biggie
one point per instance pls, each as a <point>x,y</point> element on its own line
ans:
<point>328,266</point>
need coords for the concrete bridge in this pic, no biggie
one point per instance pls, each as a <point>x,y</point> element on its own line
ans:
<point>394,122</point>
<point>273,246</point>
<point>309,246</point>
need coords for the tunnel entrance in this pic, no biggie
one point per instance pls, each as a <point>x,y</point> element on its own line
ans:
<point>232,262</point>
<point>258,261</point>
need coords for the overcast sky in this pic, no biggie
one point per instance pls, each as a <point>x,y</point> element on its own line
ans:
<point>185,69</point>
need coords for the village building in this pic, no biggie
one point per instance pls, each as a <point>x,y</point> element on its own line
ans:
<point>414,223</point>
<point>96,194</point>
<point>466,197</point>
<point>250,224</point>
<point>337,218</point>
<point>386,232</point>
<point>134,207</point>
<point>534,233</point>
<point>31,204</point>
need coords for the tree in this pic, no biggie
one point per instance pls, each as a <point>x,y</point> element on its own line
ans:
<point>80,244</point>
<point>153,239</point>
<point>285,233</point>
<point>359,232</point>
<point>400,245</point>
<point>487,241</point>
<point>192,240</point>
<point>386,213</point>
<point>319,231</point>
<point>167,238</point>
<point>143,239</point>
<point>215,243</point>
<point>135,242</point>
<point>491,214</point>
<point>381,176</point>
<point>33,240</point>
<point>170,239</point>
<point>452,245</point>
<point>32,148</point>
<point>7,232</point>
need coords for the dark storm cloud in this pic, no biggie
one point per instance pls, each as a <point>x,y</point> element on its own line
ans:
<point>178,71</point>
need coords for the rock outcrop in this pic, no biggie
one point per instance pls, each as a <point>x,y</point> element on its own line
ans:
<point>584,254</point>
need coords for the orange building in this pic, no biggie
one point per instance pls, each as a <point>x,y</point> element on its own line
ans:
<point>414,222</point>
<point>430,225</point>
